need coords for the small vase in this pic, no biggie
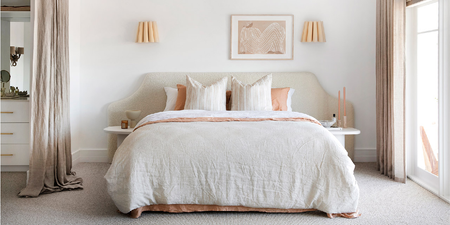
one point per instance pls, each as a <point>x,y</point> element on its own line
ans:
<point>132,115</point>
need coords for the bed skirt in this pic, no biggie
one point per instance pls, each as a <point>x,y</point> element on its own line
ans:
<point>183,208</point>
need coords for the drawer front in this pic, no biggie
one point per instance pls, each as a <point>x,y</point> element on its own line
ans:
<point>15,133</point>
<point>15,111</point>
<point>15,155</point>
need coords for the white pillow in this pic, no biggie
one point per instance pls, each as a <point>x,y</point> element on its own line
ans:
<point>171,94</point>
<point>212,97</point>
<point>289,99</point>
<point>255,97</point>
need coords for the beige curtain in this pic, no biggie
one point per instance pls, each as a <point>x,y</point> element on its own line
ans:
<point>51,159</point>
<point>390,87</point>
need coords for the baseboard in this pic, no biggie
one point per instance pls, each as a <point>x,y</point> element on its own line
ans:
<point>365,155</point>
<point>76,157</point>
<point>89,155</point>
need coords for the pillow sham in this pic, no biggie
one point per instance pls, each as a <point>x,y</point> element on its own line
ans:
<point>212,97</point>
<point>254,97</point>
<point>181,98</point>
<point>279,99</point>
<point>172,95</point>
<point>289,99</point>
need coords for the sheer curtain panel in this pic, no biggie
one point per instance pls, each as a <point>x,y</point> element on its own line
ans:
<point>390,88</point>
<point>51,158</point>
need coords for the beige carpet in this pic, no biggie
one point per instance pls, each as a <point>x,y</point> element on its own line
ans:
<point>382,201</point>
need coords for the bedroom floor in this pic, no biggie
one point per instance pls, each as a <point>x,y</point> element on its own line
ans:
<point>382,201</point>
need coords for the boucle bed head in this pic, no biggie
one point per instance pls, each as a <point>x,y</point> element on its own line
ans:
<point>309,97</point>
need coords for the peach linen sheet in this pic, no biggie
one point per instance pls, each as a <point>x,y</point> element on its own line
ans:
<point>267,160</point>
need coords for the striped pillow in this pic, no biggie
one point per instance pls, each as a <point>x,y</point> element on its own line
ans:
<point>255,97</point>
<point>211,98</point>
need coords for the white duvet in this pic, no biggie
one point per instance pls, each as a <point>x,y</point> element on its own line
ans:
<point>266,164</point>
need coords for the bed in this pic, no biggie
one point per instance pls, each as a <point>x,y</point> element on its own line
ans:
<point>196,160</point>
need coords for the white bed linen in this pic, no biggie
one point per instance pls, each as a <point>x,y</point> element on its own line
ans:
<point>266,164</point>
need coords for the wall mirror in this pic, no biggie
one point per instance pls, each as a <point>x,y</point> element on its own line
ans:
<point>16,31</point>
<point>5,76</point>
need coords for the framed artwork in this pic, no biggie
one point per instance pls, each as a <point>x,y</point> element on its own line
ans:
<point>262,37</point>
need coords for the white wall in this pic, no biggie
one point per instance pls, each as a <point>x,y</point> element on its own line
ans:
<point>195,38</point>
<point>5,45</point>
<point>75,76</point>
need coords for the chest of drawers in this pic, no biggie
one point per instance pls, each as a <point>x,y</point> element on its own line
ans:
<point>15,134</point>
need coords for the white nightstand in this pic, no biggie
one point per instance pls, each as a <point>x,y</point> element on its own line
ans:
<point>340,134</point>
<point>121,133</point>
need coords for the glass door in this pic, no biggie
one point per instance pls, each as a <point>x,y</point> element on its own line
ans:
<point>423,93</point>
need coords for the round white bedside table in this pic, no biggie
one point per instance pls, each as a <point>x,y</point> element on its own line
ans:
<point>121,133</point>
<point>340,134</point>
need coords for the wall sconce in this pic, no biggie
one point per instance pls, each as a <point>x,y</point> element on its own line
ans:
<point>147,32</point>
<point>313,32</point>
<point>15,54</point>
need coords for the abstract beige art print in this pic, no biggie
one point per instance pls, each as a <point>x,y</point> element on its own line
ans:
<point>262,37</point>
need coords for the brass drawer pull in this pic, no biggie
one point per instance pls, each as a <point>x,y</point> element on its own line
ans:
<point>7,133</point>
<point>7,112</point>
<point>7,154</point>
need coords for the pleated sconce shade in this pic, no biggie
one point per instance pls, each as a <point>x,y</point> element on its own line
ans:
<point>147,32</point>
<point>313,32</point>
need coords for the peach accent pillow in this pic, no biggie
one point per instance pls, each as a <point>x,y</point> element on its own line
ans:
<point>181,98</point>
<point>279,99</point>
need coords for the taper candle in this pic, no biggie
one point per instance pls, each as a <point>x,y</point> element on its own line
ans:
<point>345,113</point>
<point>339,103</point>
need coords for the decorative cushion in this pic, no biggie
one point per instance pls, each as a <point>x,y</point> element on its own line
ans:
<point>181,98</point>
<point>255,97</point>
<point>289,100</point>
<point>279,99</point>
<point>212,97</point>
<point>172,95</point>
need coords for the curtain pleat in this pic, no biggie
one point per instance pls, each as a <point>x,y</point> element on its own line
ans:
<point>390,88</point>
<point>50,143</point>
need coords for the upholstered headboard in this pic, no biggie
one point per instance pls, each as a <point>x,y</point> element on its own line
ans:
<point>309,97</point>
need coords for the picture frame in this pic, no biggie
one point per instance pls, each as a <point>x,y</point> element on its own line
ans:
<point>262,37</point>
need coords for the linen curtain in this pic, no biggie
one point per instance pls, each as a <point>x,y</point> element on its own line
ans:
<point>51,158</point>
<point>390,88</point>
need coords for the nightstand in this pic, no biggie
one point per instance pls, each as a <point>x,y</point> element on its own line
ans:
<point>340,134</point>
<point>121,133</point>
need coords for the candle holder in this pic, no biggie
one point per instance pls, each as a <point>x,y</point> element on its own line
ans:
<point>345,122</point>
<point>124,124</point>
<point>339,123</point>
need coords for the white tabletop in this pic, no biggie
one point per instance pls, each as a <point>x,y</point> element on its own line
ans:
<point>346,131</point>
<point>118,130</point>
